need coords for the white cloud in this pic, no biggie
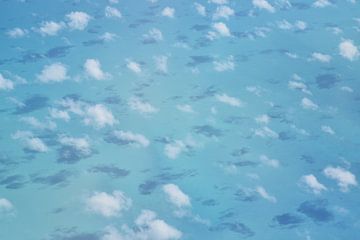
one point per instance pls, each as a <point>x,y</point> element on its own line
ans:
<point>308,104</point>
<point>264,194</point>
<point>299,86</point>
<point>327,129</point>
<point>99,116</point>
<point>269,162</point>
<point>220,30</point>
<point>220,2</point>
<point>344,178</point>
<point>263,119</point>
<point>148,227</point>
<point>56,72</point>
<point>200,9</point>
<point>154,35</point>
<point>161,63</point>
<point>16,32</point>
<point>265,132</point>
<point>321,57</point>
<point>173,150</point>
<point>31,142</point>
<point>263,4</point>
<point>111,12</point>
<point>34,122</point>
<point>78,20</point>
<point>176,196</point>
<point>298,25</point>
<point>108,205</point>
<point>185,108</point>
<point>168,12</point>
<point>80,144</point>
<point>321,3</point>
<point>6,206</point>
<point>348,50</point>
<point>225,65</point>
<point>107,36</point>
<point>135,139</point>
<point>224,98</point>
<point>93,69</point>
<point>50,28</point>
<point>133,66</point>
<point>141,106</point>
<point>312,183</point>
<point>347,89</point>
<point>59,114</point>
<point>223,12</point>
<point>5,84</point>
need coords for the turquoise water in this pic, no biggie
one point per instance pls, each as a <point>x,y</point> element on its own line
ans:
<point>179,120</point>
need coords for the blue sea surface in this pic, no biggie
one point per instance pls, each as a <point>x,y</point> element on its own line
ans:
<point>166,120</point>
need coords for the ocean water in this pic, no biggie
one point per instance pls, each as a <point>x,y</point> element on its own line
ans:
<point>162,120</point>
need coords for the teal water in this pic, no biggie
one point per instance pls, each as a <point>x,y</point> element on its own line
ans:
<point>176,129</point>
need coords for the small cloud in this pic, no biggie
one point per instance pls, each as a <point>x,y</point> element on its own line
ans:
<point>112,12</point>
<point>263,4</point>
<point>17,32</point>
<point>93,69</point>
<point>264,194</point>
<point>50,28</point>
<point>327,129</point>
<point>269,162</point>
<point>6,207</point>
<point>133,66</point>
<point>176,196</point>
<point>225,65</point>
<point>128,137</point>
<point>200,9</point>
<point>185,108</point>
<point>153,36</point>
<point>224,98</point>
<point>81,145</point>
<point>308,104</point>
<point>77,20</point>
<point>348,50</point>
<point>321,3</point>
<point>220,30</point>
<point>56,72</point>
<point>321,57</point>
<point>141,106</point>
<point>108,205</point>
<point>223,12</point>
<point>168,12</point>
<point>161,63</point>
<point>344,178</point>
<point>5,84</point>
<point>99,116</point>
<point>312,184</point>
<point>59,114</point>
<point>31,142</point>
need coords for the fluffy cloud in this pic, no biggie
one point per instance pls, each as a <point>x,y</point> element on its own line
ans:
<point>6,206</point>
<point>108,205</point>
<point>132,138</point>
<point>93,69</point>
<point>50,28</point>
<point>220,30</point>
<point>141,106</point>
<point>298,25</point>
<point>200,9</point>
<point>312,184</point>
<point>308,104</point>
<point>223,12</point>
<point>344,178</point>
<point>59,114</point>
<point>77,20</point>
<point>321,3</point>
<point>168,12</point>
<point>263,4</point>
<point>269,162</point>
<point>147,227</point>
<point>321,57</point>
<point>266,132</point>
<point>31,142</point>
<point>176,196</point>
<point>327,129</point>
<point>224,98</point>
<point>34,122</point>
<point>56,72</point>
<point>5,84</point>
<point>133,66</point>
<point>225,65</point>
<point>173,150</point>
<point>99,116</point>
<point>348,50</point>
<point>111,12</point>
<point>80,144</point>
<point>299,86</point>
<point>16,33</point>
<point>154,35</point>
<point>185,108</point>
<point>264,194</point>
